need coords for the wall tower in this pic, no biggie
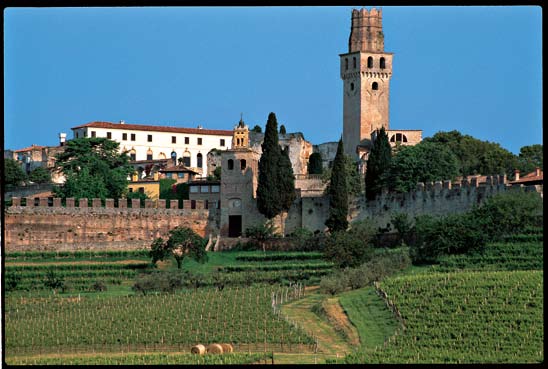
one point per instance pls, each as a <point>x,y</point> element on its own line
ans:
<point>366,70</point>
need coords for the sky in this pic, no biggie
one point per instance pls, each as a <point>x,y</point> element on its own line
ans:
<point>477,70</point>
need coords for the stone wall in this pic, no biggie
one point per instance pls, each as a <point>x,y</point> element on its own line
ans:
<point>70,227</point>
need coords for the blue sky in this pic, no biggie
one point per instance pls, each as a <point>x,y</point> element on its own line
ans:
<point>474,69</point>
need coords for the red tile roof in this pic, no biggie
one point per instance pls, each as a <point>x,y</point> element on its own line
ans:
<point>140,127</point>
<point>531,177</point>
<point>33,147</point>
<point>178,168</point>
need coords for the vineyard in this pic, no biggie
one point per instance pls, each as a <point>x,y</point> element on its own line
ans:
<point>463,317</point>
<point>174,322</point>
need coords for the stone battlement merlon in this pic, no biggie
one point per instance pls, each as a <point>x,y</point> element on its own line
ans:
<point>366,31</point>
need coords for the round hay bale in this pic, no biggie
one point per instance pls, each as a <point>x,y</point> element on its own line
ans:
<point>227,347</point>
<point>214,348</point>
<point>198,349</point>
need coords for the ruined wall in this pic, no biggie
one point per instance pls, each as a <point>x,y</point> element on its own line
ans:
<point>57,227</point>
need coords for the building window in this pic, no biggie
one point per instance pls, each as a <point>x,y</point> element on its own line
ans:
<point>215,189</point>
<point>354,61</point>
<point>398,137</point>
<point>130,189</point>
<point>186,159</point>
<point>149,138</point>
<point>149,156</point>
<point>132,156</point>
<point>345,63</point>
<point>199,140</point>
<point>230,164</point>
<point>133,137</point>
<point>141,190</point>
<point>370,62</point>
<point>222,141</point>
<point>181,175</point>
<point>199,160</point>
<point>193,204</point>
<point>194,189</point>
<point>93,134</point>
<point>76,134</point>
<point>187,140</point>
<point>375,86</point>
<point>124,136</point>
<point>85,133</point>
<point>242,164</point>
<point>382,63</point>
<point>173,139</point>
<point>204,189</point>
<point>109,135</point>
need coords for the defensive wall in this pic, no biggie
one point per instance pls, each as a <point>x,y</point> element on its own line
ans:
<point>46,224</point>
<point>43,224</point>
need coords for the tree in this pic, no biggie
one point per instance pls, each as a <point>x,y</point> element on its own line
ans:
<point>352,248</point>
<point>530,157</point>
<point>183,242</point>
<point>269,200</point>
<point>286,180</point>
<point>282,130</point>
<point>315,164</point>
<point>40,175</point>
<point>93,167</point>
<point>257,129</point>
<point>353,177</point>
<point>424,162</point>
<point>13,173</point>
<point>378,163</point>
<point>338,195</point>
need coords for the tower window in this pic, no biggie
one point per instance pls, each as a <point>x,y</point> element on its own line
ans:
<point>375,86</point>
<point>370,62</point>
<point>230,164</point>
<point>398,137</point>
<point>345,63</point>
<point>354,60</point>
<point>352,86</point>
<point>243,164</point>
<point>382,63</point>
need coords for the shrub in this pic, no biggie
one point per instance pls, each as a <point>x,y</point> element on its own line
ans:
<point>353,247</point>
<point>98,286</point>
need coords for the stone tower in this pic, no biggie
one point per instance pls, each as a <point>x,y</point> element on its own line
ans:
<point>366,71</point>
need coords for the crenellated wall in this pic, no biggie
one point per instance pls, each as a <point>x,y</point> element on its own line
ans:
<point>56,227</point>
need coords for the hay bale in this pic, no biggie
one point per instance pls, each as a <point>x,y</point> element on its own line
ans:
<point>227,347</point>
<point>214,348</point>
<point>198,349</point>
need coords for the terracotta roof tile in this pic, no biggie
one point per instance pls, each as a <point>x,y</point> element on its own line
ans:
<point>33,147</point>
<point>530,177</point>
<point>178,169</point>
<point>140,127</point>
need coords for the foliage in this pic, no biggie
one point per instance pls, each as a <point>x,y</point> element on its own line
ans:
<point>338,196</point>
<point>171,190</point>
<point>530,157</point>
<point>303,240</point>
<point>282,130</point>
<point>11,281</point>
<point>475,156</point>
<point>257,129</point>
<point>40,175</point>
<point>424,162</point>
<point>158,281</point>
<point>137,195</point>
<point>13,173</point>
<point>315,163</point>
<point>183,242</point>
<point>403,226</point>
<point>93,168</point>
<point>216,175</point>
<point>276,185</point>
<point>54,281</point>
<point>352,247</point>
<point>98,286</point>
<point>378,164</point>
<point>261,232</point>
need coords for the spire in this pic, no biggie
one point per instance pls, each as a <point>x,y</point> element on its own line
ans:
<point>241,124</point>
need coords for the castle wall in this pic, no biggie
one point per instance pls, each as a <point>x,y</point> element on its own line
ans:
<point>43,227</point>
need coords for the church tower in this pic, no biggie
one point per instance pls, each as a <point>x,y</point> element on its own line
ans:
<point>366,71</point>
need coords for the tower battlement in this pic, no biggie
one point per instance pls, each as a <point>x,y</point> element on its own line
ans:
<point>366,33</point>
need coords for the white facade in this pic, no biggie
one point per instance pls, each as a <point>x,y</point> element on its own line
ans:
<point>143,142</point>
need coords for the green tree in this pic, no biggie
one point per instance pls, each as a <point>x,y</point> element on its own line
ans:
<point>315,163</point>
<point>93,167</point>
<point>269,200</point>
<point>257,129</point>
<point>403,226</point>
<point>40,175</point>
<point>378,163</point>
<point>54,281</point>
<point>353,177</point>
<point>338,195</point>
<point>282,130</point>
<point>13,173</point>
<point>182,242</point>
<point>424,162</point>
<point>286,180</point>
<point>353,247</point>
<point>529,158</point>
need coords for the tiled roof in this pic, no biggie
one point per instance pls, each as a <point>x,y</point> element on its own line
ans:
<point>178,168</point>
<point>531,177</point>
<point>140,127</point>
<point>33,147</point>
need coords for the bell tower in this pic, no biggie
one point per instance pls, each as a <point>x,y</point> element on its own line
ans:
<point>366,70</point>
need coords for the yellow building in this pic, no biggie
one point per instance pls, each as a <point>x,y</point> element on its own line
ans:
<point>150,187</point>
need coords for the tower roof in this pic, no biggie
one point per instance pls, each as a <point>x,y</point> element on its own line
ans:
<point>366,31</point>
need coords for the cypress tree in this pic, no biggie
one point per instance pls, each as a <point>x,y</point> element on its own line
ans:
<point>269,200</point>
<point>377,165</point>
<point>315,163</point>
<point>282,130</point>
<point>286,180</point>
<point>338,195</point>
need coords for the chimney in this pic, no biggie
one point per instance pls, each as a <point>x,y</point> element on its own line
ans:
<point>200,126</point>
<point>516,175</point>
<point>62,138</point>
<point>122,122</point>
<point>537,171</point>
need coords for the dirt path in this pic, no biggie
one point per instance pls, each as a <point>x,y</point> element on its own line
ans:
<point>329,341</point>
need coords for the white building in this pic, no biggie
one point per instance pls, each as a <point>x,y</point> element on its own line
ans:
<point>144,142</point>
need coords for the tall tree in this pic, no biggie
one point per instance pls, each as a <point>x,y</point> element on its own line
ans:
<point>530,157</point>
<point>93,167</point>
<point>286,180</point>
<point>338,195</point>
<point>378,163</point>
<point>282,130</point>
<point>315,165</point>
<point>269,201</point>
<point>13,173</point>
